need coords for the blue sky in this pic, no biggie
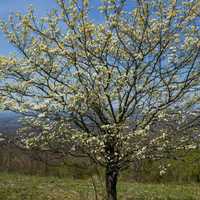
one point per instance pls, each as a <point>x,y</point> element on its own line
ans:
<point>42,8</point>
<point>9,6</point>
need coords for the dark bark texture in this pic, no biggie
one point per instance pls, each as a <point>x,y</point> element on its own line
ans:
<point>111,183</point>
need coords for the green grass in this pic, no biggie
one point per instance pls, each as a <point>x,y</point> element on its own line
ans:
<point>20,187</point>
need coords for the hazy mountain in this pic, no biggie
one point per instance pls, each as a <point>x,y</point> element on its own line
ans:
<point>9,122</point>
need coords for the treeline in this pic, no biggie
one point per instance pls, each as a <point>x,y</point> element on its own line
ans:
<point>43,163</point>
<point>182,169</point>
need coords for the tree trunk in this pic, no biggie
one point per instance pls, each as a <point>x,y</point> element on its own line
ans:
<point>111,183</point>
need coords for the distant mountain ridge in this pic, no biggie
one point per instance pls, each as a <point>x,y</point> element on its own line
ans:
<point>9,122</point>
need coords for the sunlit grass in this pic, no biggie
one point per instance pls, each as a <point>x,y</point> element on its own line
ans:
<point>20,187</point>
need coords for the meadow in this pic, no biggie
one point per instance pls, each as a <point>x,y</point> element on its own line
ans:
<point>26,187</point>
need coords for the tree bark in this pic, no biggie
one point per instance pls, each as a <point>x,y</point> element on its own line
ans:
<point>111,183</point>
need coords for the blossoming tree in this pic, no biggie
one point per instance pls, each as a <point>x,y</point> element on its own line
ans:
<point>95,89</point>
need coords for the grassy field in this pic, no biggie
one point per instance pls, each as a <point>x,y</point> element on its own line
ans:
<point>20,187</point>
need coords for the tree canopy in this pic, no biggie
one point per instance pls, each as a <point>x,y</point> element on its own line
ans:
<point>98,87</point>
